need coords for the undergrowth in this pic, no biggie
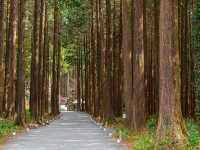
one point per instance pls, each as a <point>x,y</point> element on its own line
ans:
<point>28,117</point>
<point>7,127</point>
<point>146,140</point>
<point>193,135</point>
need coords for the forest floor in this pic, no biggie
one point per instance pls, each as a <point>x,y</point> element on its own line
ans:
<point>7,129</point>
<point>73,131</point>
<point>146,139</point>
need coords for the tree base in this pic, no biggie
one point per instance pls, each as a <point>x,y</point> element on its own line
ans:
<point>172,136</point>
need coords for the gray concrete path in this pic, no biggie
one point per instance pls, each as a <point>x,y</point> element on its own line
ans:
<point>73,131</point>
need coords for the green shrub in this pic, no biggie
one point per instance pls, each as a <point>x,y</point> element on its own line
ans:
<point>193,135</point>
<point>28,117</point>
<point>7,127</point>
<point>152,123</point>
<point>146,139</point>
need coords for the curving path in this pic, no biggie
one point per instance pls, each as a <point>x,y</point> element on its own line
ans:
<point>73,131</point>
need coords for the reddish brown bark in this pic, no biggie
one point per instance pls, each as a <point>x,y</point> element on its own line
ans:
<point>46,63</point>
<point>86,63</point>
<point>34,98</point>
<point>78,80</point>
<point>20,84</point>
<point>151,58</point>
<point>117,101</point>
<point>10,67</point>
<point>1,54</point>
<point>98,57</point>
<point>187,92</point>
<point>138,100</point>
<point>127,60</point>
<point>108,111</point>
<point>41,101</point>
<point>93,58</point>
<point>170,118</point>
<point>56,63</point>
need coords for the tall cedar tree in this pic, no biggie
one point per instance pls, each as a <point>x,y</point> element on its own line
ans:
<point>170,118</point>
<point>108,64</point>
<point>10,63</point>
<point>92,60</point>
<point>127,59</point>
<point>98,57</point>
<point>187,61</point>
<point>78,80</point>
<point>117,102</point>
<point>35,63</point>
<point>86,73</point>
<point>1,53</point>
<point>138,100</point>
<point>151,57</point>
<point>20,85</point>
<point>46,63</point>
<point>56,63</point>
<point>41,66</point>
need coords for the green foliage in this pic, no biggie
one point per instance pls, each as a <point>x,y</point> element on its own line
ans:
<point>143,141</point>
<point>7,127</point>
<point>151,124</point>
<point>139,140</point>
<point>121,132</point>
<point>65,65</point>
<point>147,140</point>
<point>193,135</point>
<point>28,117</point>
<point>69,55</point>
<point>76,17</point>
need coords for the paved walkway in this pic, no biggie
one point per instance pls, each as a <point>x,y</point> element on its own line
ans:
<point>74,131</point>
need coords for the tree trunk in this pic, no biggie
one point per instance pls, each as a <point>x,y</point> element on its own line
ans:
<point>156,57</point>
<point>10,68</point>
<point>1,54</point>
<point>20,85</point>
<point>56,63</point>
<point>139,41</point>
<point>170,118</point>
<point>117,103</point>
<point>86,74</point>
<point>98,57</point>
<point>108,65</point>
<point>46,62</point>
<point>41,85</point>
<point>35,64</point>
<point>187,100</point>
<point>127,60</point>
<point>93,58</point>
<point>78,80</point>
<point>58,67</point>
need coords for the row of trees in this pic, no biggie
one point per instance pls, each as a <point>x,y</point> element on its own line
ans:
<point>196,43</point>
<point>13,22</point>
<point>139,60</point>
